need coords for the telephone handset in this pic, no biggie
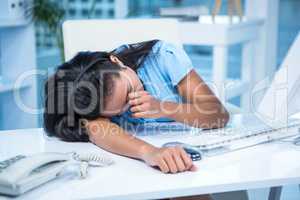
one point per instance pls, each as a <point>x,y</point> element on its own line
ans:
<point>21,173</point>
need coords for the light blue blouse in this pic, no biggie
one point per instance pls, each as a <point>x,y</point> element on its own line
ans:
<point>164,67</point>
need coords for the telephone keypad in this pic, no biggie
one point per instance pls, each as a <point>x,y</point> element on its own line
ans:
<point>6,163</point>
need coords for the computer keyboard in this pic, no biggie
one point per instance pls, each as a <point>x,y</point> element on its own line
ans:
<point>246,136</point>
<point>216,141</point>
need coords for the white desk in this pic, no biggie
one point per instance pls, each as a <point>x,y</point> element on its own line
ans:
<point>257,167</point>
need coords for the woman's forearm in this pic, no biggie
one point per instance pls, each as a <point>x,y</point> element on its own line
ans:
<point>113,138</point>
<point>203,115</point>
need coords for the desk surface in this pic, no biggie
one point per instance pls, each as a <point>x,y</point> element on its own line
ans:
<point>260,166</point>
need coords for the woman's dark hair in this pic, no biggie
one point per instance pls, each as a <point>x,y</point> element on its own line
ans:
<point>77,90</point>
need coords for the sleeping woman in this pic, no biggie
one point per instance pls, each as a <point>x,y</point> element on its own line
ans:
<point>92,96</point>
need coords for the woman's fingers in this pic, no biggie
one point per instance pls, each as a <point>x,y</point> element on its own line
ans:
<point>139,100</point>
<point>163,166</point>
<point>171,163</point>
<point>136,101</point>
<point>139,108</point>
<point>139,115</point>
<point>186,159</point>
<point>170,160</point>
<point>138,94</point>
<point>179,162</point>
<point>193,168</point>
<point>145,106</point>
<point>146,114</point>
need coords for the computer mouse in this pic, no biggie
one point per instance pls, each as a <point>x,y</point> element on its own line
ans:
<point>194,152</point>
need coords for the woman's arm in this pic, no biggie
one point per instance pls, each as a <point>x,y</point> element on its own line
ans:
<point>202,107</point>
<point>109,136</point>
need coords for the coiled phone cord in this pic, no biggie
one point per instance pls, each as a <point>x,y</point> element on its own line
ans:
<point>90,160</point>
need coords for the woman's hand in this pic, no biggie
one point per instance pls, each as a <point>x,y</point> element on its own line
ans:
<point>169,159</point>
<point>143,105</point>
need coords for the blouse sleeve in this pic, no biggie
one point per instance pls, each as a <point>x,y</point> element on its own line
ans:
<point>175,61</point>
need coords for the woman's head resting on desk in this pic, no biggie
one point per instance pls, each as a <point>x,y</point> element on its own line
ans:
<point>91,85</point>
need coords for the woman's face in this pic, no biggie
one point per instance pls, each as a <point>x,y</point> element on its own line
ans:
<point>127,82</point>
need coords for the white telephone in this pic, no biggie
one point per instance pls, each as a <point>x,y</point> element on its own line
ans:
<point>22,173</point>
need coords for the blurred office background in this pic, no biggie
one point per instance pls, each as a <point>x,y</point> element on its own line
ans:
<point>48,55</point>
<point>36,46</point>
<point>48,43</point>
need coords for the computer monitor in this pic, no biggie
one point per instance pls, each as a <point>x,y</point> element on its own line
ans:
<point>282,98</point>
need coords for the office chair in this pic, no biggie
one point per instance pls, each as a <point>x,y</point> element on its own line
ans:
<point>106,35</point>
